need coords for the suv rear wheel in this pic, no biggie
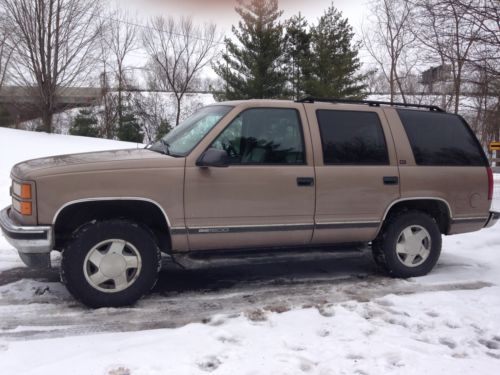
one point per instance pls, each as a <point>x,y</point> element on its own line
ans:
<point>409,245</point>
<point>111,263</point>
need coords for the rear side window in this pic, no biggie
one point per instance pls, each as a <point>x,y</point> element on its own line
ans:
<point>352,138</point>
<point>441,139</point>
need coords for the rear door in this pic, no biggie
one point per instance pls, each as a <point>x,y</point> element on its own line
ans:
<point>266,197</point>
<point>357,175</point>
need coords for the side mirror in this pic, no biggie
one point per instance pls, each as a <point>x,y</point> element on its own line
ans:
<point>213,158</point>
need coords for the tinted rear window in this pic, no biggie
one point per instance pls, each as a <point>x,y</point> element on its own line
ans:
<point>352,138</point>
<point>441,139</point>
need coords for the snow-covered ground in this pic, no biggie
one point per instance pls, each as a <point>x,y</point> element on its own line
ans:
<point>331,317</point>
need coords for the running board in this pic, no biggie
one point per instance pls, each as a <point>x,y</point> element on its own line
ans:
<point>206,258</point>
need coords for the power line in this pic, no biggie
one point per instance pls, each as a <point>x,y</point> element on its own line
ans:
<point>147,27</point>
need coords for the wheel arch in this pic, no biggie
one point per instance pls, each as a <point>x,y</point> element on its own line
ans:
<point>142,210</point>
<point>438,208</point>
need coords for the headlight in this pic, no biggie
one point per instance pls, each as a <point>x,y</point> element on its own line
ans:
<point>21,190</point>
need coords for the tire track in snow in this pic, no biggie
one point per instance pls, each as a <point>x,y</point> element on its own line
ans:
<point>43,309</point>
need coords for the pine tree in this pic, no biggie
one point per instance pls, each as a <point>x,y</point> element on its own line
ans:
<point>297,53</point>
<point>129,129</point>
<point>163,129</point>
<point>5,117</point>
<point>85,124</point>
<point>254,70</point>
<point>335,63</point>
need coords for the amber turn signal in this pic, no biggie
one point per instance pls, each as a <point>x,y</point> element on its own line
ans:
<point>26,191</point>
<point>26,208</point>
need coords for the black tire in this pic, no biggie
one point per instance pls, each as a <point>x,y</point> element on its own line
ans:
<point>75,258</point>
<point>384,247</point>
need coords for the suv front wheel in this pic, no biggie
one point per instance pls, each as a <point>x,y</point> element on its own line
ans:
<point>111,263</point>
<point>409,245</point>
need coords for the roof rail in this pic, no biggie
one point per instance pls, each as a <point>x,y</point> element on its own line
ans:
<point>371,103</point>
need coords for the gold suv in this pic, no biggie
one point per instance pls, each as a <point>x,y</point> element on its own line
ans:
<point>254,177</point>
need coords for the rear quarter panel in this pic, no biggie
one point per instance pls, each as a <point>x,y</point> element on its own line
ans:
<point>465,189</point>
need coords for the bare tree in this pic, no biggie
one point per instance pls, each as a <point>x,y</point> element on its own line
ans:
<point>485,106</point>
<point>485,14</point>
<point>6,49</point>
<point>152,111</point>
<point>484,63</point>
<point>55,46</point>
<point>107,111</point>
<point>179,50</point>
<point>377,82</point>
<point>120,40</point>
<point>107,114</point>
<point>388,39</point>
<point>448,32</point>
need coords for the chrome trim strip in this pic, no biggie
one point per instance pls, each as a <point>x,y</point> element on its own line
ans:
<point>470,218</point>
<point>250,226</point>
<point>279,227</point>
<point>348,224</point>
<point>111,199</point>
<point>178,231</point>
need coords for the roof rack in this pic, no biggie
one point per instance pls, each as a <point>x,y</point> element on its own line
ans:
<point>371,103</point>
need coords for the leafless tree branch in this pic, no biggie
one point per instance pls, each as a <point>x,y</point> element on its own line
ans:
<point>179,50</point>
<point>55,46</point>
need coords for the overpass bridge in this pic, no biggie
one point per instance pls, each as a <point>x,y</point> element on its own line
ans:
<point>21,102</point>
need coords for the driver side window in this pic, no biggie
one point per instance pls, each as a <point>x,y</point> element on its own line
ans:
<point>258,136</point>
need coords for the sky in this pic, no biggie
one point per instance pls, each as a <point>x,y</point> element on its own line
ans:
<point>222,11</point>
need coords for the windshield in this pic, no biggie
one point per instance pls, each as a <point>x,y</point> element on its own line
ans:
<point>184,137</point>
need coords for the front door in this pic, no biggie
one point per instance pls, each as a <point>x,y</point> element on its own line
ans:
<point>266,197</point>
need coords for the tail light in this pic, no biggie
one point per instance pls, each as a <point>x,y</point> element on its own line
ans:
<point>490,183</point>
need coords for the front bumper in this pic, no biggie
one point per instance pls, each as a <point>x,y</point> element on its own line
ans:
<point>34,243</point>
<point>492,219</point>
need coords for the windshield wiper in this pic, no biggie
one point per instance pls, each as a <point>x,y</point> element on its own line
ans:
<point>164,150</point>
<point>166,146</point>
